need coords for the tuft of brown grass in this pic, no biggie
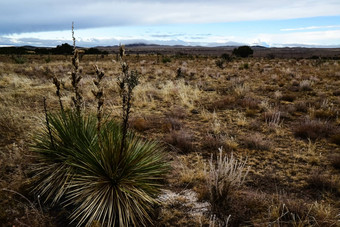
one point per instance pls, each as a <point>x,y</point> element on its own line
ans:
<point>140,124</point>
<point>325,114</point>
<point>301,106</point>
<point>222,104</point>
<point>336,92</point>
<point>250,103</point>
<point>181,139</point>
<point>272,117</point>
<point>13,125</point>
<point>289,212</point>
<point>177,112</point>
<point>212,141</point>
<point>256,141</point>
<point>24,212</point>
<point>191,170</point>
<point>289,97</point>
<point>335,160</point>
<point>313,129</point>
<point>323,182</point>
<point>336,138</point>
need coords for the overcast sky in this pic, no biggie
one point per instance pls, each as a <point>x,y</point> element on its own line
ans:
<point>187,22</point>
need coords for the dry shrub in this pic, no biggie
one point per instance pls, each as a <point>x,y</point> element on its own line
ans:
<point>224,177</point>
<point>335,160</point>
<point>336,138</point>
<point>272,117</point>
<point>222,104</point>
<point>336,92</point>
<point>18,210</point>
<point>14,163</point>
<point>323,182</point>
<point>288,212</point>
<point>177,112</point>
<point>313,129</point>
<point>306,85</point>
<point>191,170</point>
<point>295,83</point>
<point>169,124</point>
<point>175,213</point>
<point>277,94</point>
<point>288,97</point>
<point>250,103</point>
<point>301,106</point>
<point>291,213</point>
<point>174,123</point>
<point>256,141</point>
<point>12,126</point>
<point>139,124</point>
<point>212,141</point>
<point>245,206</point>
<point>251,112</point>
<point>181,139</point>
<point>325,114</point>
<point>324,214</point>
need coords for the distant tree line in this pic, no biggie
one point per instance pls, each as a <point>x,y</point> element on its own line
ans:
<point>63,49</point>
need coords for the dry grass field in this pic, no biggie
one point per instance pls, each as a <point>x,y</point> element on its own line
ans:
<point>278,117</point>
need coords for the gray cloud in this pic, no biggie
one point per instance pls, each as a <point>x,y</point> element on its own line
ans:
<point>18,16</point>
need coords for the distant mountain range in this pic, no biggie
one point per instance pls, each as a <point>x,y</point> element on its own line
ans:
<point>286,51</point>
<point>173,43</point>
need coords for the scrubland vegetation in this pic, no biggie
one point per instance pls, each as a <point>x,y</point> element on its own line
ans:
<point>249,141</point>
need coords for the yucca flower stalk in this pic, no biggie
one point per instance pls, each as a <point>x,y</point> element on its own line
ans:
<point>127,82</point>
<point>57,83</point>
<point>99,95</point>
<point>75,76</point>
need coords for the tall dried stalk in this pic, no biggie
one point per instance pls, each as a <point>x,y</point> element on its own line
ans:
<point>56,82</point>
<point>127,82</point>
<point>99,95</point>
<point>75,76</point>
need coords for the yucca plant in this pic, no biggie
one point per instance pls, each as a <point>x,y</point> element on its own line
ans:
<point>95,166</point>
<point>95,179</point>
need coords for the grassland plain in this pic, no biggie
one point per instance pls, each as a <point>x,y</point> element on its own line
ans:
<point>282,114</point>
